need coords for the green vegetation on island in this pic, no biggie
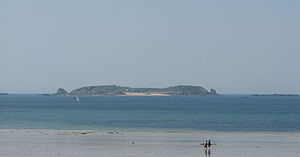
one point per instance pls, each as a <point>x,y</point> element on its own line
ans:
<point>186,90</point>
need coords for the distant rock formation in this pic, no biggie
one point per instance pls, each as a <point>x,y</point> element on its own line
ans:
<point>61,91</point>
<point>213,92</point>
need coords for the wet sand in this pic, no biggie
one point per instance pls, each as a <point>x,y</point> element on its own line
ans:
<point>92,143</point>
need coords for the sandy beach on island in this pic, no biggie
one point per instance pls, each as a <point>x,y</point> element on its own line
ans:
<point>92,143</point>
<point>143,94</point>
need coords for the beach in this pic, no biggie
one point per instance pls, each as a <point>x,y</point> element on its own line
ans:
<point>142,126</point>
<point>95,143</point>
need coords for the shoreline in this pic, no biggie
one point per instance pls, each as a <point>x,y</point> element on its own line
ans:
<point>114,143</point>
<point>151,131</point>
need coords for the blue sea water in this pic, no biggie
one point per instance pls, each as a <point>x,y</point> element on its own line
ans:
<point>211,113</point>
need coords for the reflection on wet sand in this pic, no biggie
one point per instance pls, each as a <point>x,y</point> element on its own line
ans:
<point>206,152</point>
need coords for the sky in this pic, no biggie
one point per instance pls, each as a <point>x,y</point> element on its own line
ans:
<point>233,46</point>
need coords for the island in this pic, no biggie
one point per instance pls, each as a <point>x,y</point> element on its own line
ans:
<point>61,91</point>
<point>275,95</point>
<point>184,90</point>
<point>3,93</point>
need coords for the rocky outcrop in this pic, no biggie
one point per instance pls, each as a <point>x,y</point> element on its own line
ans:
<point>61,91</point>
<point>213,92</point>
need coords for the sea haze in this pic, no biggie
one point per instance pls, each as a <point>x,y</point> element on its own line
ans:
<point>190,113</point>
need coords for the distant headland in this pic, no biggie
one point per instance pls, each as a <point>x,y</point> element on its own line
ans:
<point>184,90</point>
<point>275,95</point>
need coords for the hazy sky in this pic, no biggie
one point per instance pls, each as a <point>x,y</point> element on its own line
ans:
<point>234,46</point>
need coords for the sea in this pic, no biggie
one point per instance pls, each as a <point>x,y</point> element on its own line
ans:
<point>240,113</point>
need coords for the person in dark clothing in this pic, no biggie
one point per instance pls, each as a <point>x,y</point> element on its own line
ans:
<point>209,144</point>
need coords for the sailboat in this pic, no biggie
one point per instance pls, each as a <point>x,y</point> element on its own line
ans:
<point>77,98</point>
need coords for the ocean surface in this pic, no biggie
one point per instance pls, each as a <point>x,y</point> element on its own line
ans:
<point>189,113</point>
